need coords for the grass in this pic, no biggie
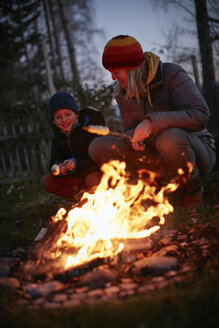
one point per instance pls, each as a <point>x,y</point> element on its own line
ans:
<point>25,208</point>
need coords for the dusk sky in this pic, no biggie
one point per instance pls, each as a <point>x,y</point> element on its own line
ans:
<point>139,18</point>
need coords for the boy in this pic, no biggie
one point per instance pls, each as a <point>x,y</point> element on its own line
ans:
<point>71,168</point>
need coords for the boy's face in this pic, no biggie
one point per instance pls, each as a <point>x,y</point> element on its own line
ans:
<point>65,119</point>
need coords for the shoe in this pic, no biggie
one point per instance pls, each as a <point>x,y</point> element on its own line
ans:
<point>192,201</point>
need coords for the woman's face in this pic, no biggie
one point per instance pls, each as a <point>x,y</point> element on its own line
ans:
<point>120,75</point>
<point>65,119</point>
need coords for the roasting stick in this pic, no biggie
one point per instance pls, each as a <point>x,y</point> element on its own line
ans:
<point>103,131</point>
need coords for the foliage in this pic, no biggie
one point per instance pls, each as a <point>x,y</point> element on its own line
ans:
<point>19,69</point>
<point>101,98</point>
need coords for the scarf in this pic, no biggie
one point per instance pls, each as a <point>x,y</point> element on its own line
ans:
<point>152,62</point>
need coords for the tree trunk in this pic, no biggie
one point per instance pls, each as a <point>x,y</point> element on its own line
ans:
<point>195,70</point>
<point>48,69</point>
<point>208,72</point>
<point>57,46</point>
<point>49,36</point>
<point>34,91</point>
<point>71,49</point>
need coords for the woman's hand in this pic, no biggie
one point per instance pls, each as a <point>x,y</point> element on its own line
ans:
<point>138,146</point>
<point>142,131</point>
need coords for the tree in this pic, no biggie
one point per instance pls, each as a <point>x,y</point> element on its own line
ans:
<point>208,71</point>
<point>70,45</point>
<point>18,69</point>
<point>57,46</point>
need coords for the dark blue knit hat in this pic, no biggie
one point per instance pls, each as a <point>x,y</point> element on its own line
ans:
<point>62,100</point>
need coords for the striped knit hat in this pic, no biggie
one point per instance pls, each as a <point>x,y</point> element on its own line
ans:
<point>124,52</point>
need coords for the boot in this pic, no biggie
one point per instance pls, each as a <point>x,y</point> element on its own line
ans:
<point>195,200</point>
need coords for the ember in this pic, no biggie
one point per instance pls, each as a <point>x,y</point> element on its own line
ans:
<point>99,225</point>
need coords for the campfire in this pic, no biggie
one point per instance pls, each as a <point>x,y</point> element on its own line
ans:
<point>101,224</point>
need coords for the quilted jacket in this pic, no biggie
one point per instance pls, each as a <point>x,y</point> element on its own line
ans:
<point>176,102</point>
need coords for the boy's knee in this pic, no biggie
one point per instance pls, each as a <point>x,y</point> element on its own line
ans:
<point>46,181</point>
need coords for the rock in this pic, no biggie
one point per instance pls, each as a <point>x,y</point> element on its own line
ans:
<point>95,293</point>
<point>9,282</point>
<point>154,263</point>
<point>146,288</point>
<point>98,278</point>
<point>166,241</point>
<point>158,279</point>
<point>43,289</point>
<point>128,292</point>
<point>171,274</point>
<point>80,290</point>
<point>77,297</point>
<point>167,250</point>
<point>171,233</point>
<point>200,242</point>
<point>19,251</point>
<point>9,261</point>
<point>71,303</point>
<point>111,291</point>
<point>127,258</point>
<point>4,271</point>
<point>60,297</point>
<point>134,245</point>
<point>182,237</point>
<point>160,282</point>
<point>128,285</point>
<point>51,305</point>
<point>39,301</point>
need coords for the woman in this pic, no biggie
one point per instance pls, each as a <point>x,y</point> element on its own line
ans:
<point>165,115</point>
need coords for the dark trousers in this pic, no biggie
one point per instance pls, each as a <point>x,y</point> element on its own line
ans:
<point>68,186</point>
<point>61,186</point>
<point>164,154</point>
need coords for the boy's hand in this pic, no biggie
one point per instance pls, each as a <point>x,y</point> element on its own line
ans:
<point>66,166</point>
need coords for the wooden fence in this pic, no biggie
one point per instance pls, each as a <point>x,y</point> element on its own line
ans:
<point>24,151</point>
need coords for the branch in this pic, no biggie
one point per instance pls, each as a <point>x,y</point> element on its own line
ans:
<point>180,5</point>
<point>216,37</point>
<point>211,19</point>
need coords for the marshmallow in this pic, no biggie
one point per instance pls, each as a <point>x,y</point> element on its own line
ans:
<point>55,169</point>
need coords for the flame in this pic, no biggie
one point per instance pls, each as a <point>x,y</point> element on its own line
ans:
<point>116,211</point>
<point>190,167</point>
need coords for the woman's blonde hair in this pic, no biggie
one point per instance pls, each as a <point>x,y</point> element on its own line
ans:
<point>136,83</point>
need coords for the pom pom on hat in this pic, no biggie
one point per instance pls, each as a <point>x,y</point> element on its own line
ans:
<point>123,52</point>
<point>62,100</point>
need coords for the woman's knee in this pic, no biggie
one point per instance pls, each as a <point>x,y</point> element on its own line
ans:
<point>94,147</point>
<point>106,148</point>
<point>170,139</point>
